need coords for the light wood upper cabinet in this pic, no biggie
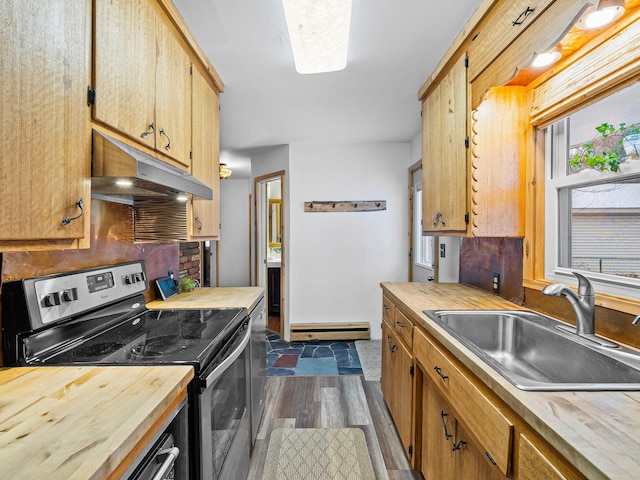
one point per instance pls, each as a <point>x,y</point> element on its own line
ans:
<point>142,77</point>
<point>173,96</point>
<point>125,67</point>
<point>503,24</point>
<point>205,214</point>
<point>445,117</point>
<point>45,154</point>
<point>498,149</point>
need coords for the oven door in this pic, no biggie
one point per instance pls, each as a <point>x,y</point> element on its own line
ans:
<point>224,415</point>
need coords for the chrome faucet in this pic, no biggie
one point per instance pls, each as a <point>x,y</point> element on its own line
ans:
<point>583,303</point>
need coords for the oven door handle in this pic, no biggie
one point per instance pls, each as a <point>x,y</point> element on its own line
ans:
<point>232,357</point>
<point>172,454</point>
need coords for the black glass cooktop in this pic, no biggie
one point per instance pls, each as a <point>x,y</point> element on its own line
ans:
<point>152,337</point>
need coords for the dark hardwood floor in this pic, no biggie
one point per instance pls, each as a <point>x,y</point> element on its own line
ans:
<point>333,402</point>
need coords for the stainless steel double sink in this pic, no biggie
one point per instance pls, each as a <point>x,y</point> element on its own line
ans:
<point>536,352</point>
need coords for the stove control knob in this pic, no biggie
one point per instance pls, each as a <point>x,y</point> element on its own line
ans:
<point>52,299</point>
<point>139,277</point>
<point>128,279</point>
<point>68,295</point>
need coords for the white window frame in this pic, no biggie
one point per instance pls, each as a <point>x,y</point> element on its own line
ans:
<point>556,227</point>
<point>424,246</point>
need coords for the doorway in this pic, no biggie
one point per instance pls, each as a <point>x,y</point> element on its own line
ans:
<point>270,246</point>
<point>423,263</point>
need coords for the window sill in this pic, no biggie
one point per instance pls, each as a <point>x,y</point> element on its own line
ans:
<point>605,300</point>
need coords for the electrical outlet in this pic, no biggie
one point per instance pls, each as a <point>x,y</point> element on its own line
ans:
<point>496,282</point>
<point>170,273</point>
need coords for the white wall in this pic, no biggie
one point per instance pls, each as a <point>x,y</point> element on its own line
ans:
<point>233,247</point>
<point>265,162</point>
<point>337,260</point>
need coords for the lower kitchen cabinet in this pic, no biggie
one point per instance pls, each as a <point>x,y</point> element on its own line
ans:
<point>450,452</point>
<point>451,425</point>
<point>397,384</point>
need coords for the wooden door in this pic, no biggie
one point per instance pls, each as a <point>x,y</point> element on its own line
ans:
<point>402,365</point>
<point>438,427</point>
<point>44,145</point>
<point>444,168</point>
<point>124,59</point>
<point>471,462</point>
<point>173,96</point>
<point>205,161</point>
<point>386,375</point>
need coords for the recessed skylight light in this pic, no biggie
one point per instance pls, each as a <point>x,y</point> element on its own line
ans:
<point>319,33</point>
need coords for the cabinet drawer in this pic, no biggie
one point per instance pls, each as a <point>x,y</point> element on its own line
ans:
<point>403,328</point>
<point>508,20</point>
<point>421,347</point>
<point>479,415</point>
<point>388,310</point>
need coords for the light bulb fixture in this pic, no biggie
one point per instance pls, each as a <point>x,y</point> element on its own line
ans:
<point>319,33</point>
<point>182,197</point>
<point>608,11</point>
<point>224,171</point>
<point>545,59</point>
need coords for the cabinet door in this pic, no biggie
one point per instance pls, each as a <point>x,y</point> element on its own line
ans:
<point>386,374</point>
<point>124,59</point>
<point>470,462</point>
<point>438,424</point>
<point>444,158</point>
<point>397,383</point>
<point>402,366</point>
<point>44,159</point>
<point>205,161</point>
<point>173,96</point>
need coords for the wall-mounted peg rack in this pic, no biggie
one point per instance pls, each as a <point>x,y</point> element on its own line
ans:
<point>346,206</point>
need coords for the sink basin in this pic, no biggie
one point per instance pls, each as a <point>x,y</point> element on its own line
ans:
<point>535,352</point>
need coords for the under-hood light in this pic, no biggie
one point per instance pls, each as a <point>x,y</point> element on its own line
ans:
<point>124,183</point>
<point>319,33</point>
<point>182,198</point>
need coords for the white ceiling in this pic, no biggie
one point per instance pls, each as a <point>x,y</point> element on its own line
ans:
<point>394,46</point>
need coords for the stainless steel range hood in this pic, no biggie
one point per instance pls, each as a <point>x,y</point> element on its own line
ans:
<point>123,174</point>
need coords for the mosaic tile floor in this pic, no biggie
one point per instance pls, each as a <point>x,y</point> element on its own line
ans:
<point>314,357</point>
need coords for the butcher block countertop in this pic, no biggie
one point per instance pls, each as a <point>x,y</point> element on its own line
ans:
<point>596,431</point>
<point>212,297</point>
<point>82,422</point>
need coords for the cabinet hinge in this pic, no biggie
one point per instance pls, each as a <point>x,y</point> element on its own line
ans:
<point>411,450</point>
<point>190,156</point>
<point>466,62</point>
<point>411,370</point>
<point>91,96</point>
<point>466,218</point>
<point>466,142</point>
<point>191,70</point>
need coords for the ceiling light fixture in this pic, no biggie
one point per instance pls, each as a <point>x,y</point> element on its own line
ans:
<point>224,171</point>
<point>544,59</point>
<point>319,33</point>
<point>607,12</point>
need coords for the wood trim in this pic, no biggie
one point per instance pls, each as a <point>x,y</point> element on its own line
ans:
<point>280,174</point>
<point>604,65</point>
<point>412,169</point>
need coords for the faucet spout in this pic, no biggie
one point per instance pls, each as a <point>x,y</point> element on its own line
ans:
<point>583,302</point>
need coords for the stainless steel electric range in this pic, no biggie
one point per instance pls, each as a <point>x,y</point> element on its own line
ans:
<point>98,316</point>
